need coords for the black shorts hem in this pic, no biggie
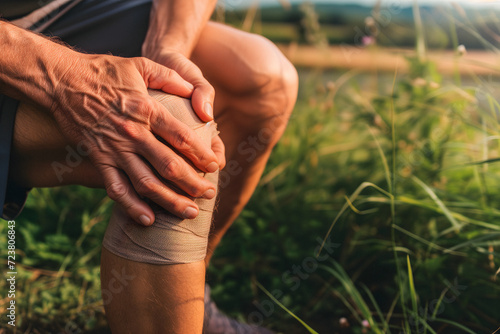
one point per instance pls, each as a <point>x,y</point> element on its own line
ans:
<point>12,197</point>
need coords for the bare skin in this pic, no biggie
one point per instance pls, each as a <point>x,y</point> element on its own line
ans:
<point>256,90</point>
<point>96,112</point>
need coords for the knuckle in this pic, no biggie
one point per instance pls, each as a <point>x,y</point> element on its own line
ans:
<point>169,73</point>
<point>183,140</point>
<point>143,61</point>
<point>146,187</point>
<point>146,108</point>
<point>131,130</point>
<point>158,118</point>
<point>116,191</point>
<point>130,63</point>
<point>171,169</point>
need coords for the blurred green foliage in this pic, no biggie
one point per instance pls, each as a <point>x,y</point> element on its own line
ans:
<point>427,138</point>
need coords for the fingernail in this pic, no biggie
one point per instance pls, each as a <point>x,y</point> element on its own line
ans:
<point>190,213</point>
<point>212,167</point>
<point>188,85</point>
<point>208,109</point>
<point>145,220</point>
<point>209,194</point>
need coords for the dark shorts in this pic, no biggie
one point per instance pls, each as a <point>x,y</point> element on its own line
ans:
<point>115,27</point>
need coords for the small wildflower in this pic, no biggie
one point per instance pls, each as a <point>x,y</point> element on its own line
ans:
<point>368,40</point>
<point>462,51</point>
<point>344,323</point>
<point>365,323</point>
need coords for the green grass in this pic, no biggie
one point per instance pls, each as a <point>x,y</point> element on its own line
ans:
<point>402,172</point>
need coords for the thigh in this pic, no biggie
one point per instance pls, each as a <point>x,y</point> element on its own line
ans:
<point>42,157</point>
<point>235,62</point>
<point>254,82</point>
<point>228,56</point>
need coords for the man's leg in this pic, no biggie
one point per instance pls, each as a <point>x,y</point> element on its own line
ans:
<point>256,88</point>
<point>148,298</point>
<point>138,297</point>
<point>42,157</point>
<point>167,257</point>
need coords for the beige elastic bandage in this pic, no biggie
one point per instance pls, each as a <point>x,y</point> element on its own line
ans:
<point>170,239</point>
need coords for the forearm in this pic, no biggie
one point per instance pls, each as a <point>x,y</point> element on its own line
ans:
<point>29,65</point>
<point>177,24</point>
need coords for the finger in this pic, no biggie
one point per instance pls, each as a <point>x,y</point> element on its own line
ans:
<point>219,150</point>
<point>163,78</point>
<point>119,190</point>
<point>175,169</point>
<point>202,100</point>
<point>183,139</point>
<point>147,184</point>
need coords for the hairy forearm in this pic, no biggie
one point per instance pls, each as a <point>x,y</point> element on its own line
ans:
<point>29,65</point>
<point>177,24</point>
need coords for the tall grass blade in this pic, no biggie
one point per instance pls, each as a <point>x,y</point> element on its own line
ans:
<point>413,293</point>
<point>456,324</point>
<point>457,226</point>
<point>286,309</point>
<point>354,195</point>
<point>419,27</point>
<point>338,272</point>
<point>385,329</point>
<point>431,244</point>
<point>387,172</point>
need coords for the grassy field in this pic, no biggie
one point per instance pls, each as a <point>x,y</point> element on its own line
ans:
<point>397,173</point>
<point>378,213</point>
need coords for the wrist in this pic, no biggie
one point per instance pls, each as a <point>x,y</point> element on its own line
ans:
<point>59,63</point>
<point>154,46</point>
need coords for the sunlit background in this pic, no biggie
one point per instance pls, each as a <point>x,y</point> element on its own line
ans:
<point>392,153</point>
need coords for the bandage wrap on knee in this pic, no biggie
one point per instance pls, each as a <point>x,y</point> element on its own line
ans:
<point>170,239</point>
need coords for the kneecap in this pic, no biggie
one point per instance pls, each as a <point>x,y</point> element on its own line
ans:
<point>170,240</point>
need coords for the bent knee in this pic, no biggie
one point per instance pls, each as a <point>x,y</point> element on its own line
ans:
<point>265,69</point>
<point>243,63</point>
<point>271,83</point>
<point>170,240</point>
